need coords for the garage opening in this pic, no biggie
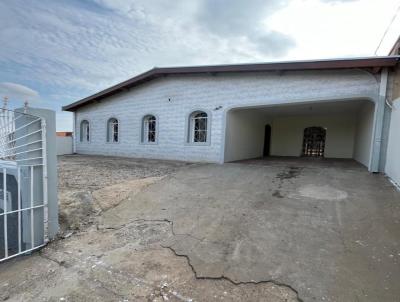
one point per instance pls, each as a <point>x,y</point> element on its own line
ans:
<point>334,129</point>
<point>314,142</point>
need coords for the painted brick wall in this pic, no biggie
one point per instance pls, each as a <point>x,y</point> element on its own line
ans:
<point>173,98</point>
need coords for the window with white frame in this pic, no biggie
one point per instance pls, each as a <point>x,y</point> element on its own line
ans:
<point>198,127</point>
<point>149,129</point>
<point>112,130</point>
<point>85,131</point>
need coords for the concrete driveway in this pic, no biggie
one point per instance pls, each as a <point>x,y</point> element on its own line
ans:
<point>329,230</point>
<point>278,230</point>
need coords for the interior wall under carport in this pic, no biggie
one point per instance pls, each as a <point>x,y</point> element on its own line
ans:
<point>364,133</point>
<point>348,124</point>
<point>244,136</point>
<point>287,135</point>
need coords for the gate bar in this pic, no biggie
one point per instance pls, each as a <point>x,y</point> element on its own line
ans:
<point>24,145</point>
<point>32,223</point>
<point>22,152</point>
<point>23,252</point>
<point>19,209</point>
<point>22,127</point>
<point>5,211</point>
<point>45,189</point>
<point>24,209</point>
<point>32,158</point>
<point>26,135</point>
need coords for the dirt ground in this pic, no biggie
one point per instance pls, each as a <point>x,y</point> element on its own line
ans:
<point>127,261</point>
<point>89,185</point>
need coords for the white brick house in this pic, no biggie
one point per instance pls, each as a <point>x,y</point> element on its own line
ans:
<point>153,115</point>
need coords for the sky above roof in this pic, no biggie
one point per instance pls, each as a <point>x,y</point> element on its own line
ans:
<point>55,52</point>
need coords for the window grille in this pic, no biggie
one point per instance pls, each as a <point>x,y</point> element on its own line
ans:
<point>198,127</point>
<point>85,131</point>
<point>149,132</point>
<point>113,130</point>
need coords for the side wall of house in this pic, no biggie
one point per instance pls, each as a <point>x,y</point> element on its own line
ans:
<point>392,167</point>
<point>172,99</point>
<point>245,132</point>
<point>288,132</point>
<point>363,134</point>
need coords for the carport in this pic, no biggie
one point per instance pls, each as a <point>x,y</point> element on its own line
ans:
<point>342,129</point>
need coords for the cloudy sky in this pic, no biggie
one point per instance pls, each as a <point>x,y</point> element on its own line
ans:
<point>54,52</point>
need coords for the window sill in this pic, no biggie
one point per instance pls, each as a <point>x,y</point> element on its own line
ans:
<point>198,144</point>
<point>149,143</point>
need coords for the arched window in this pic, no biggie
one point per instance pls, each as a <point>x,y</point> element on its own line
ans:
<point>85,131</point>
<point>149,129</point>
<point>314,142</point>
<point>198,127</point>
<point>112,130</point>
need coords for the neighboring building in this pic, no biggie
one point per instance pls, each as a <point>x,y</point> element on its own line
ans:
<point>329,108</point>
<point>63,133</point>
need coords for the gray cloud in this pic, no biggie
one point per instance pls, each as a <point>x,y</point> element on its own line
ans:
<point>17,91</point>
<point>227,20</point>
<point>236,18</point>
<point>274,43</point>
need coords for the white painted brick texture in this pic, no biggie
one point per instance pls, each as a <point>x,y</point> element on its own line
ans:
<point>189,93</point>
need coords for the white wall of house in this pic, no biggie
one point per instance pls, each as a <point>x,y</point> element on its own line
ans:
<point>363,134</point>
<point>172,99</point>
<point>288,133</point>
<point>392,167</point>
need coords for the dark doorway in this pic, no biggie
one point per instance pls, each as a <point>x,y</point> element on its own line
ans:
<point>267,140</point>
<point>314,142</point>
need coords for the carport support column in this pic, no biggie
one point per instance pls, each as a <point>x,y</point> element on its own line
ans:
<point>378,125</point>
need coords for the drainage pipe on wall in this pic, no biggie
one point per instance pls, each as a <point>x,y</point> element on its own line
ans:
<point>74,133</point>
<point>379,115</point>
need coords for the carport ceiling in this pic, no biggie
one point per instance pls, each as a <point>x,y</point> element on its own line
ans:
<point>304,109</point>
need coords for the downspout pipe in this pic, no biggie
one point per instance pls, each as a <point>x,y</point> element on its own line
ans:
<point>379,114</point>
<point>73,133</point>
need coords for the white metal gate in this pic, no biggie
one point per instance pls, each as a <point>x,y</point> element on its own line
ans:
<point>23,183</point>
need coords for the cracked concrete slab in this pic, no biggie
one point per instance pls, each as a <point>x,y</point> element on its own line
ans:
<point>276,230</point>
<point>329,231</point>
<point>123,261</point>
<point>124,264</point>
